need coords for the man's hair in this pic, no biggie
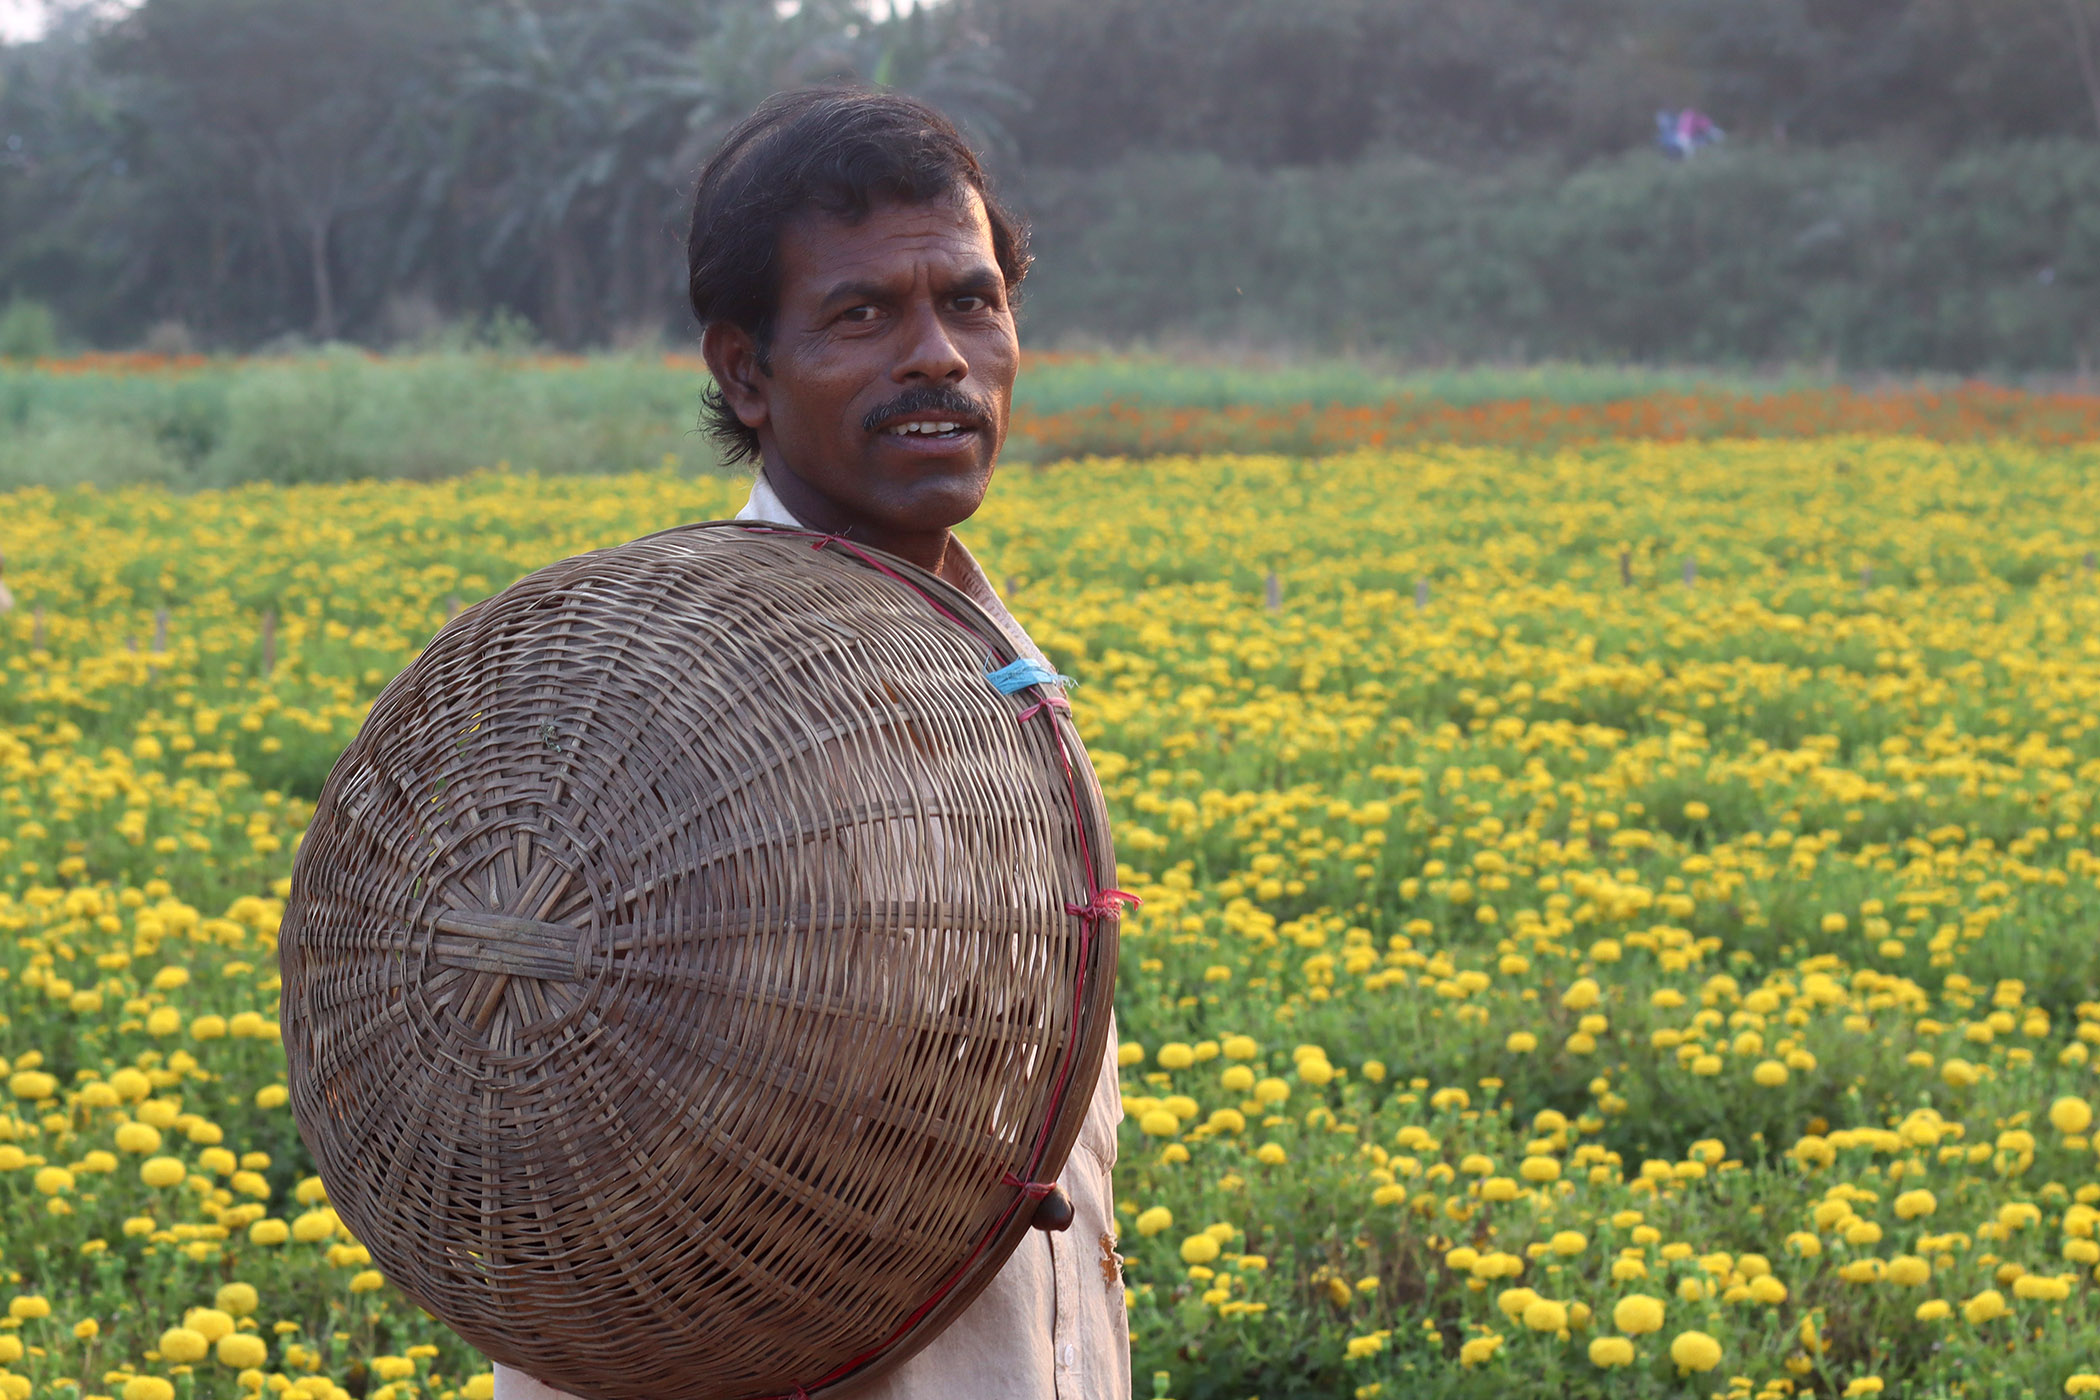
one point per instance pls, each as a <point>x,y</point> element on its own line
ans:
<point>836,151</point>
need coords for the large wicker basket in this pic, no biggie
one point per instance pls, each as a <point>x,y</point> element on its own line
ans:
<point>695,961</point>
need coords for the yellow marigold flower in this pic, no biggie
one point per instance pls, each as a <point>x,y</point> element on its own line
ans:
<point>32,1084</point>
<point>1315,1070</point>
<point>1637,1313</point>
<point>1568,1242</point>
<point>1239,1047</point>
<point>1864,1385</point>
<point>1155,1122</point>
<point>1521,1043</point>
<point>10,1347</point>
<point>209,1323</point>
<point>269,1232</point>
<point>239,1299</point>
<point>87,1329</point>
<point>1767,1290</point>
<point>151,1388</point>
<point>316,1225</point>
<point>1908,1271</point>
<point>1270,1154</point>
<point>1153,1220</point>
<point>162,1171</point>
<point>1769,1073</point>
<point>1959,1073</point>
<point>1237,1079</point>
<point>272,1096</point>
<point>29,1307</point>
<point>1933,1310</point>
<point>480,1387</point>
<point>1610,1352</point>
<point>183,1344</point>
<point>1198,1249</point>
<point>53,1181</point>
<point>1129,1053</point>
<point>1695,1351</point>
<point>2070,1114</point>
<point>1984,1307</point>
<point>1513,1302</point>
<point>367,1281</point>
<point>2083,1383</point>
<point>1911,1205</point>
<point>1545,1315</point>
<point>1175,1055</point>
<point>1539,1169</point>
<point>1271,1091</point>
<point>241,1351</point>
<point>1479,1351</point>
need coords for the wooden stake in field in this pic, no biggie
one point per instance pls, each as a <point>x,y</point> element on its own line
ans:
<point>269,640</point>
<point>1272,591</point>
<point>160,631</point>
<point>1626,568</point>
<point>1866,578</point>
<point>1421,594</point>
<point>1691,571</point>
<point>36,630</point>
<point>451,606</point>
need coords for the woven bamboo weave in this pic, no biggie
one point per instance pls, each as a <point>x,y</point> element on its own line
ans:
<point>693,960</point>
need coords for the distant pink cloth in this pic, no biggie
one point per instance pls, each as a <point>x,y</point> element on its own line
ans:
<point>1051,1324</point>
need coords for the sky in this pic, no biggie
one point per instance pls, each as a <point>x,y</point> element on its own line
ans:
<point>20,19</point>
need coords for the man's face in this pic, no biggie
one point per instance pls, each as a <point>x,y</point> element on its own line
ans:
<point>892,370</point>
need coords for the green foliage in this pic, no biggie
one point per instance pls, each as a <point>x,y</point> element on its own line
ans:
<point>1987,262</point>
<point>27,330</point>
<point>343,415</point>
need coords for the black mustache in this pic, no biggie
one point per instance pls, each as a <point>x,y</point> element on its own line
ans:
<point>930,399</point>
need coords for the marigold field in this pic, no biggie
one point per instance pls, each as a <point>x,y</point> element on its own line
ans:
<point>1618,921</point>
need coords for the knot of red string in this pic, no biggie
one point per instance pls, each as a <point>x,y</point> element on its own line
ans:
<point>1106,904</point>
<point>1033,1190</point>
<point>1054,702</point>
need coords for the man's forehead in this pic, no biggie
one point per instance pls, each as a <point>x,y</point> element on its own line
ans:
<point>893,237</point>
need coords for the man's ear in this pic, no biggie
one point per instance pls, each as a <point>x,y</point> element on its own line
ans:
<point>733,359</point>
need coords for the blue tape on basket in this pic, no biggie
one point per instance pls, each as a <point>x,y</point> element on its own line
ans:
<point>1019,675</point>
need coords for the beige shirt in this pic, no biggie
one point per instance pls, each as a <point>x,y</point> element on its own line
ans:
<point>1051,1325</point>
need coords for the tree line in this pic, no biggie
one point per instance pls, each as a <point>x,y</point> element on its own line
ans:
<point>241,171</point>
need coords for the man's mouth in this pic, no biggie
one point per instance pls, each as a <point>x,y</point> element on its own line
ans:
<point>928,417</point>
<point>928,427</point>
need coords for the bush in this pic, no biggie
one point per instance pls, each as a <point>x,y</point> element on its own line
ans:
<point>28,330</point>
<point>1988,262</point>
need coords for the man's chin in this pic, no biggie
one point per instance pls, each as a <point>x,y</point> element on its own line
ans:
<point>928,497</point>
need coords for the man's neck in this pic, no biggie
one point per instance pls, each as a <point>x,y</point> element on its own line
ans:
<point>817,511</point>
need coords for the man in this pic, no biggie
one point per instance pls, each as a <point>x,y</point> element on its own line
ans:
<point>856,282</point>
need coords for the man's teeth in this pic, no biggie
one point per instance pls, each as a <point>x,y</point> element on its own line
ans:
<point>936,427</point>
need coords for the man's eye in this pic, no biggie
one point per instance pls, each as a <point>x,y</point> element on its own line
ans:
<point>860,314</point>
<point>971,302</point>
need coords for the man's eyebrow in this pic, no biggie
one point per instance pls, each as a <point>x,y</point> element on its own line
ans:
<point>857,292</point>
<point>979,277</point>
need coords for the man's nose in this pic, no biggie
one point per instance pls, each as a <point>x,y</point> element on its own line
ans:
<point>931,355</point>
